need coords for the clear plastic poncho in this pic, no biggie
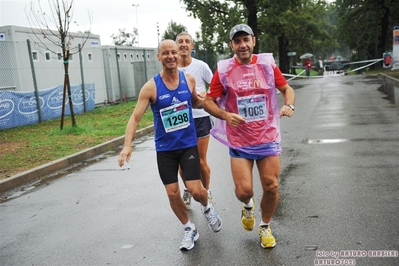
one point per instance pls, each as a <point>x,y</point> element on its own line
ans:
<point>250,91</point>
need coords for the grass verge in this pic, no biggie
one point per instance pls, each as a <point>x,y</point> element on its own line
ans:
<point>26,147</point>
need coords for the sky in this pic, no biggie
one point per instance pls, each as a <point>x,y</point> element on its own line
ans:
<point>108,16</point>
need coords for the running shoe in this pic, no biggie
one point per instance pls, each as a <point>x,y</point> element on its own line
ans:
<point>214,221</point>
<point>248,217</point>
<point>267,240</point>
<point>210,198</point>
<point>190,236</point>
<point>187,198</point>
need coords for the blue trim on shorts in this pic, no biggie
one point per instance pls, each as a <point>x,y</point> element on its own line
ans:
<point>240,154</point>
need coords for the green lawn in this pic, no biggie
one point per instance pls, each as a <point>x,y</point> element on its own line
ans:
<point>27,147</point>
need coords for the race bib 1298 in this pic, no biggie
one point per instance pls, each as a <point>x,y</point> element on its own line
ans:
<point>175,117</point>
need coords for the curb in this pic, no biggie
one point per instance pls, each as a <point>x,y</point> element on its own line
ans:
<point>390,87</point>
<point>66,162</point>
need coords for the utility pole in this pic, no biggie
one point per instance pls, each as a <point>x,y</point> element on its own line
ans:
<point>158,31</point>
<point>137,24</point>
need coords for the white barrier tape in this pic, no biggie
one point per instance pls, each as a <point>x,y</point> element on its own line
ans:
<point>364,61</point>
<point>294,76</point>
<point>375,61</point>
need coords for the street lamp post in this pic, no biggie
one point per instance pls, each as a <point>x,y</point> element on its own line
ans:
<point>137,23</point>
<point>158,30</point>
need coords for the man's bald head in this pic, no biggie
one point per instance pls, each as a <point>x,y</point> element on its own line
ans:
<point>167,42</point>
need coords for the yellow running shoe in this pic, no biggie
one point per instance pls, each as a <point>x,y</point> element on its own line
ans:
<point>248,217</point>
<point>267,240</point>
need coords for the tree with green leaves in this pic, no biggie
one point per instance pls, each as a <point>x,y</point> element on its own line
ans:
<point>202,51</point>
<point>217,18</point>
<point>125,38</point>
<point>289,25</point>
<point>298,25</point>
<point>173,30</point>
<point>60,18</point>
<point>366,25</point>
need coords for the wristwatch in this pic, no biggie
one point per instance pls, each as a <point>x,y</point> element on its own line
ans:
<point>291,106</point>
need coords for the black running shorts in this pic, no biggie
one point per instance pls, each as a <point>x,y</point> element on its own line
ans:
<point>169,161</point>
<point>203,126</point>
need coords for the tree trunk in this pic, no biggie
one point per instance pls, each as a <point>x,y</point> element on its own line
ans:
<point>63,104</point>
<point>385,30</point>
<point>68,88</point>
<point>253,20</point>
<point>284,61</point>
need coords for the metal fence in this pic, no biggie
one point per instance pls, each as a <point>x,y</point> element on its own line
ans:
<point>25,68</point>
<point>21,101</point>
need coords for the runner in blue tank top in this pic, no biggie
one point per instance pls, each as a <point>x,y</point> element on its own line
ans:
<point>171,95</point>
<point>173,119</point>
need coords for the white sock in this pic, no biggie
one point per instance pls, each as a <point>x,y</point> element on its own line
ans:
<point>205,208</point>
<point>262,223</point>
<point>189,224</point>
<point>249,205</point>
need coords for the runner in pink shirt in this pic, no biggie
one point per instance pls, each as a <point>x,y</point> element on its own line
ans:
<point>243,98</point>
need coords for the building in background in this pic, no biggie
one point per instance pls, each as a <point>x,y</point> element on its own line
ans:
<point>118,72</point>
<point>32,78</point>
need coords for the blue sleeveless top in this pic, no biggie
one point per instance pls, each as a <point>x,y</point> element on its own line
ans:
<point>173,119</point>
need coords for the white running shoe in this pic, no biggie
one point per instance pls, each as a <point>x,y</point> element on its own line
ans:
<point>190,236</point>
<point>214,221</point>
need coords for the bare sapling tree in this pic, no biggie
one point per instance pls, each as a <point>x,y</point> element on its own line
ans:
<point>51,31</point>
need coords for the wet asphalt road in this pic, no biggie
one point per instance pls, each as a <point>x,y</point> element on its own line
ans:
<point>339,192</point>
